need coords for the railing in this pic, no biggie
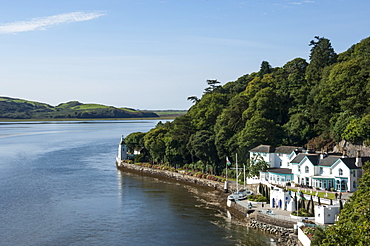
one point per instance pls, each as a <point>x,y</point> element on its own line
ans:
<point>277,216</point>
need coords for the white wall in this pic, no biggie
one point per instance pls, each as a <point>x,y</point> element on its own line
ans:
<point>325,214</point>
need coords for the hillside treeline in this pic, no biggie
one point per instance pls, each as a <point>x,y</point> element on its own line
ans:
<point>13,108</point>
<point>316,102</point>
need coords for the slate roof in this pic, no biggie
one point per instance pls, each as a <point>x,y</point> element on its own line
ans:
<point>329,161</point>
<point>279,170</point>
<point>287,149</point>
<point>351,162</point>
<point>263,149</point>
<point>300,157</point>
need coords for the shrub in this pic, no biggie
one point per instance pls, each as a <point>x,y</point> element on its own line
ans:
<point>257,198</point>
<point>302,213</point>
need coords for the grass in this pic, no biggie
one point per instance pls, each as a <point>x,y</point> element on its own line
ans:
<point>170,113</point>
<point>320,194</point>
<point>89,106</point>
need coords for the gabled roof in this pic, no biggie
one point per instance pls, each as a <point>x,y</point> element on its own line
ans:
<point>287,149</point>
<point>314,159</point>
<point>263,149</point>
<point>300,157</point>
<point>351,162</point>
<point>329,161</point>
<point>279,170</point>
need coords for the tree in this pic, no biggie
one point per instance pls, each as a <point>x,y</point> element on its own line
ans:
<point>213,84</point>
<point>193,99</point>
<point>322,55</point>
<point>318,237</point>
<point>204,113</point>
<point>353,226</point>
<point>154,141</point>
<point>265,69</point>
<point>255,165</point>
<point>259,130</point>
<point>135,141</point>
<point>202,145</point>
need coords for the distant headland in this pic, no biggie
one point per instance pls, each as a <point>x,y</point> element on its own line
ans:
<point>15,108</point>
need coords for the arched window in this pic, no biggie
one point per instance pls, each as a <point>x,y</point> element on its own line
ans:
<point>307,169</point>
<point>340,172</point>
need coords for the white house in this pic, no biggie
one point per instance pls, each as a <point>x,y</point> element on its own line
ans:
<point>280,171</point>
<point>324,172</point>
<point>326,214</point>
<point>289,164</point>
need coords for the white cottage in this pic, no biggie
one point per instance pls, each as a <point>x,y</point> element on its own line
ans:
<point>326,214</point>
<point>289,164</point>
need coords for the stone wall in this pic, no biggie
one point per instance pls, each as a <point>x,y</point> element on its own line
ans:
<point>184,177</point>
<point>174,175</point>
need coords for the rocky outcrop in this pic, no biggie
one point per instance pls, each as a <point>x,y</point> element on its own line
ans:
<point>351,149</point>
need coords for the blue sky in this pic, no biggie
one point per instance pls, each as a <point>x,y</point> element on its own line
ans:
<point>150,54</point>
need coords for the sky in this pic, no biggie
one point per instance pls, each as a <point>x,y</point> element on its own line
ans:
<point>154,54</point>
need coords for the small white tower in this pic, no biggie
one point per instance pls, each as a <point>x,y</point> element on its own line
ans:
<point>122,150</point>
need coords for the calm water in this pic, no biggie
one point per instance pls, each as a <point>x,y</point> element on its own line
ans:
<point>59,186</point>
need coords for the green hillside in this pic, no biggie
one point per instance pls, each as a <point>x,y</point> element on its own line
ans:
<point>13,108</point>
<point>314,103</point>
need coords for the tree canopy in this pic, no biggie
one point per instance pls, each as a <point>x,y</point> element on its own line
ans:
<point>326,98</point>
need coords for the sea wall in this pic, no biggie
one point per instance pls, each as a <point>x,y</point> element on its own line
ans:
<point>174,175</point>
<point>182,176</point>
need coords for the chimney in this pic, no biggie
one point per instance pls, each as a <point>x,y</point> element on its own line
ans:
<point>322,155</point>
<point>358,162</point>
<point>344,154</point>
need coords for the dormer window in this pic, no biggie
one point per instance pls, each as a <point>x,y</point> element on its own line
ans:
<point>340,172</point>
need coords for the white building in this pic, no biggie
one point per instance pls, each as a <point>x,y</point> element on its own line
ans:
<point>122,150</point>
<point>279,198</point>
<point>326,214</point>
<point>288,164</point>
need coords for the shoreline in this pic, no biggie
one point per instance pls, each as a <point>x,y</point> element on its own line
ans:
<point>83,119</point>
<point>279,230</point>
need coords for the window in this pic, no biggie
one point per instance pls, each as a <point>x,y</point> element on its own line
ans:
<point>307,169</point>
<point>321,170</point>
<point>340,172</point>
<point>331,171</point>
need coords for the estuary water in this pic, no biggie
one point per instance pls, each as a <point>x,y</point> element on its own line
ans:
<point>59,186</point>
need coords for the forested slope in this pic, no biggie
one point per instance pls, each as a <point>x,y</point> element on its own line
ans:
<point>12,108</point>
<point>316,102</point>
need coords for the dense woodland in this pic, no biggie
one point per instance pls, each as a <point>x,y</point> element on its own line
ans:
<point>13,108</point>
<point>317,102</point>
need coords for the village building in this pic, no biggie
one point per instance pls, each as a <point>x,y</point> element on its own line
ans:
<point>295,165</point>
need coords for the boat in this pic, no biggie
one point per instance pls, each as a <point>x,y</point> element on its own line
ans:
<point>240,195</point>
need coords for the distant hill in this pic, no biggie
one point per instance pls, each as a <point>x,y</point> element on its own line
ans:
<point>14,108</point>
<point>170,113</point>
